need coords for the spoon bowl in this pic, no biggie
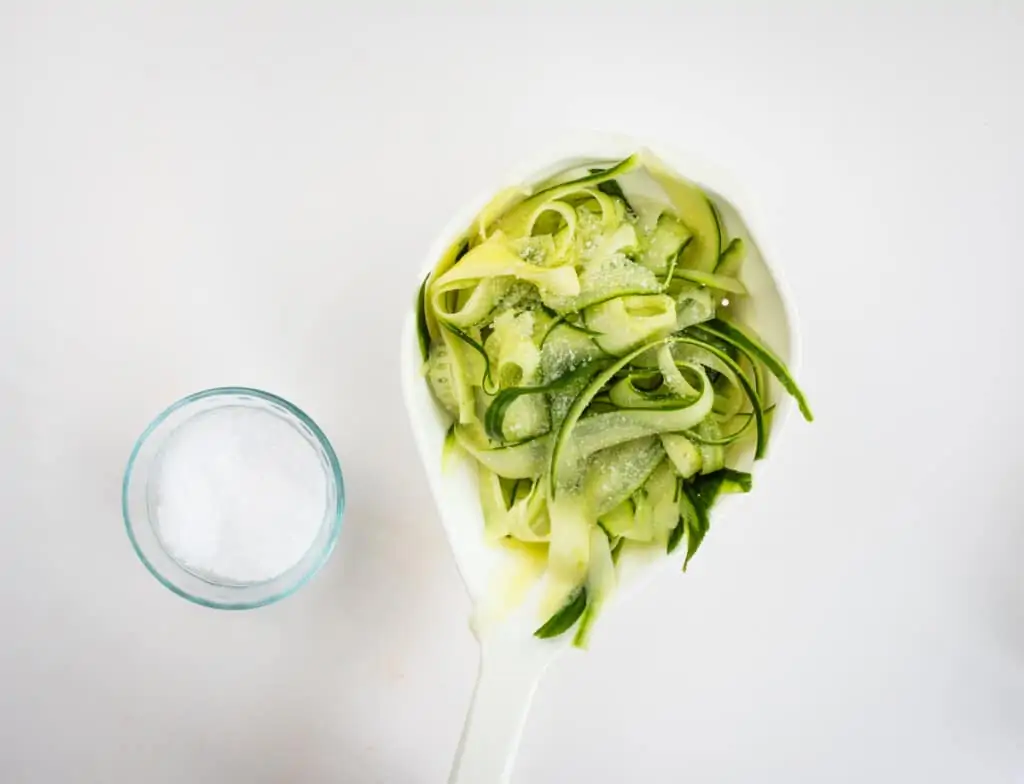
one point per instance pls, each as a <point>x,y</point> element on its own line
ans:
<point>513,660</point>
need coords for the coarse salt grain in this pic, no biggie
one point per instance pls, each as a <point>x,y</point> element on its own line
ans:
<point>240,494</point>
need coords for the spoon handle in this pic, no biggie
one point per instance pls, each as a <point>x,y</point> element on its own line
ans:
<point>508,678</point>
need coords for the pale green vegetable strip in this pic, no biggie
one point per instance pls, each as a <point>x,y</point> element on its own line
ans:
<point>528,519</point>
<point>610,215</point>
<point>480,304</point>
<point>462,387</point>
<point>684,454</point>
<point>667,240</point>
<point>513,348</point>
<point>714,281</point>
<point>674,379</point>
<point>601,431</point>
<point>694,306</point>
<point>745,339</point>
<point>626,322</point>
<point>602,279</point>
<point>622,240</point>
<point>517,461</point>
<point>697,213</point>
<point>439,374</point>
<point>514,221</point>
<point>498,206</point>
<point>618,521</point>
<point>616,473</point>
<point>493,503</point>
<point>712,455</point>
<point>731,260</point>
<point>525,519</point>
<point>458,248</point>
<point>569,550</point>
<point>660,495</point>
<point>643,519</point>
<point>567,235</point>
<point>495,258</point>
<point>600,583</point>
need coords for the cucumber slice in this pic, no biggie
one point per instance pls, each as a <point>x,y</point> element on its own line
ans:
<point>494,419</point>
<point>612,188</point>
<point>684,454</point>
<point>696,211</point>
<point>660,500</point>
<point>449,448</point>
<point>694,515</point>
<point>622,240</point>
<point>618,522</point>
<point>524,460</point>
<point>675,537</point>
<point>666,242</point>
<point>511,349</point>
<point>477,305</point>
<point>492,501</point>
<point>515,220</point>
<point>566,617</point>
<point>612,212</point>
<point>422,330</point>
<point>525,515</point>
<point>671,373</point>
<point>625,322</point>
<point>693,306</point>
<point>723,240</point>
<point>561,223</point>
<point>496,258</point>
<point>541,251</point>
<point>575,440</point>
<point>599,586</point>
<point>714,281</point>
<point>643,518</point>
<point>486,380</point>
<point>458,375</point>
<point>439,374</point>
<point>687,519</point>
<point>502,202</point>
<point>712,454</point>
<point>616,473</point>
<point>740,424</point>
<point>565,347</point>
<point>745,339</point>
<point>528,519</point>
<point>731,260</point>
<point>736,481</point>
<point>737,375</point>
<point>458,249</point>
<point>602,278</point>
<point>569,548</point>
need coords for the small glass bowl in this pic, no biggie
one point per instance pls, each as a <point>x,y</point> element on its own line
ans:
<point>136,493</point>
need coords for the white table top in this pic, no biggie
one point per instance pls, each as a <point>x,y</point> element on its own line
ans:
<point>211,193</point>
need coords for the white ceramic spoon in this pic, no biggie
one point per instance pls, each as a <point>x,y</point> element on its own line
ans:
<point>512,659</point>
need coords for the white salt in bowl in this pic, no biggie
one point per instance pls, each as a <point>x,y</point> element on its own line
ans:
<point>233,498</point>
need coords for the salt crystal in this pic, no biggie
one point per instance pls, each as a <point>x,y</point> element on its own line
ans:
<point>240,494</point>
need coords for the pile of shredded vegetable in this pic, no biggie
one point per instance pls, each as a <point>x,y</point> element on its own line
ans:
<point>580,338</point>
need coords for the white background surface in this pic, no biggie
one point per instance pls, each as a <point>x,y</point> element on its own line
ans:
<point>208,193</point>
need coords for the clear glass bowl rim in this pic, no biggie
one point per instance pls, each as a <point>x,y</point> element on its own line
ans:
<point>336,515</point>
